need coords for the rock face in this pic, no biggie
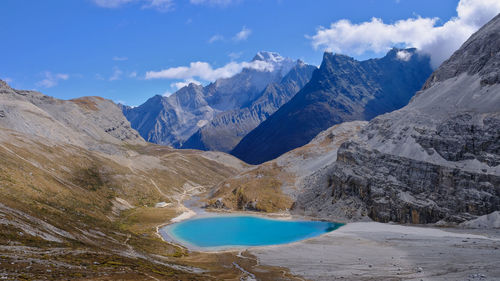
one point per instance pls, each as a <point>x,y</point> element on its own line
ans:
<point>169,120</point>
<point>90,122</point>
<point>226,130</point>
<point>391,188</point>
<point>343,89</point>
<point>435,159</point>
<point>174,119</point>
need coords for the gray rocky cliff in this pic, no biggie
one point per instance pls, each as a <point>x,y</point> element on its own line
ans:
<point>435,159</point>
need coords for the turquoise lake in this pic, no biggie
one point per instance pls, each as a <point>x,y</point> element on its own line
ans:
<point>234,231</point>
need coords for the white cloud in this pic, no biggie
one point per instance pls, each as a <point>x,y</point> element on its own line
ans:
<point>182,84</point>
<point>51,79</point>
<point>132,74</point>
<point>243,34</point>
<point>159,5</point>
<point>213,2</point>
<point>120,58</point>
<point>204,70</point>
<point>403,55</point>
<point>423,33</point>
<point>166,94</point>
<point>215,38</point>
<point>117,74</point>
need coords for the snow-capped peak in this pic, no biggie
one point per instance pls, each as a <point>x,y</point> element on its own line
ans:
<point>268,57</point>
<point>278,62</point>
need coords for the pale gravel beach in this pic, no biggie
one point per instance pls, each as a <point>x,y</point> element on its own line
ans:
<point>375,251</point>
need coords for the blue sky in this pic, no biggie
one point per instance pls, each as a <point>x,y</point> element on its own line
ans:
<point>68,49</point>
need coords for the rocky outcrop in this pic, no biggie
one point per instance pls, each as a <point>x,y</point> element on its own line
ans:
<point>463,138</point>
<point>391,188</point>
<point>436,159</point>
<point>341,90</point>
<point>491,220</point>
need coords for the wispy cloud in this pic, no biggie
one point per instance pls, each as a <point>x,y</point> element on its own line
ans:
<point>206,72</point>
<point>51,79</point>
<point>213,2</point>
<point>117,74</point>
<point>132,74</point>
<point>423,33</point>
<point>243,34</point>
<point>159,5</point>
<point>215,38</point>
<point>120,58</point>
<point>112,3</point>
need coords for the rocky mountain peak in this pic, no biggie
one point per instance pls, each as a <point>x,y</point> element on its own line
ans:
<point>436,159</point>
<point>342,89</point>
<point>478,55</point>
<point>276,62</point>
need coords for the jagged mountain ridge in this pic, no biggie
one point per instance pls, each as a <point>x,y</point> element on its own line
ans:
<point>172,120</point>
<point>225,131</point>
<point>342,89</point>
<point>435,159</point>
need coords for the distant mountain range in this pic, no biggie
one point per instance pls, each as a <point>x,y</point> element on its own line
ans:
<point>435,160</point>
<point>342,89</point>
<point>231,114</point>
<point>225,131</point>
<point>243,98</point>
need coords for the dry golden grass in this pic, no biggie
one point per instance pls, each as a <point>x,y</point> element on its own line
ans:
<point>73,189</point>
<point>87,103</point>
<point>258,189</point>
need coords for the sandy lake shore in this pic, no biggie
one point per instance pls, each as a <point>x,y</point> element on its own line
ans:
<point>376,251</point>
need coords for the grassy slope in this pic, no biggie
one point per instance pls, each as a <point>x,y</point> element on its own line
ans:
<point>59,215</point>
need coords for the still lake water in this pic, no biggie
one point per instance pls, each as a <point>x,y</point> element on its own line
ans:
<point>234,231</point>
